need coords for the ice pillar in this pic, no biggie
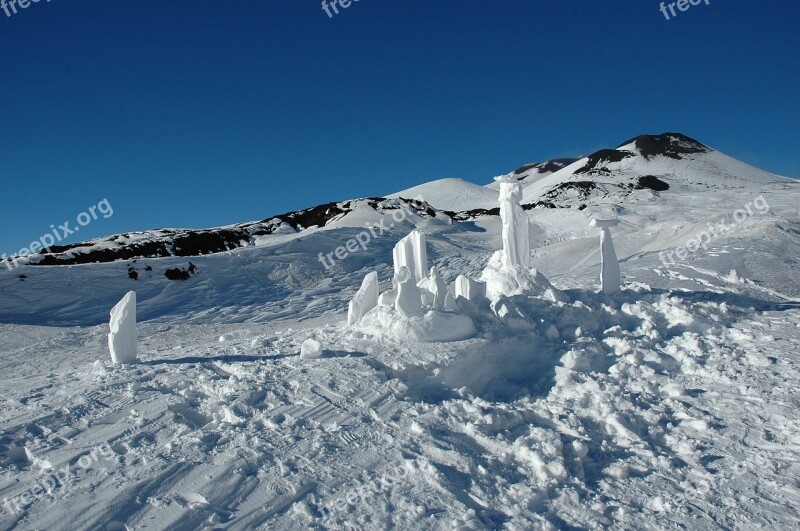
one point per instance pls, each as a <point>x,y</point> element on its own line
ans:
<point>122,339</point>
<point>610,279</point>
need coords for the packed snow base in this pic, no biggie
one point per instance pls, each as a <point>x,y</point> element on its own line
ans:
<point>672,402</point>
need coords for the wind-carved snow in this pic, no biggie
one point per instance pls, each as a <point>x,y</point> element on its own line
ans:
<point>364,300</point>
<point>411,253</point>
<point>123,337</point>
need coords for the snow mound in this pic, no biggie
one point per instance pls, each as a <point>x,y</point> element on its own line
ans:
<point>518,280</point>
<point>433,326</point>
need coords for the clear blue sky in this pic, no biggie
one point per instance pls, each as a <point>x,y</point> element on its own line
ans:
<point>192,113</point>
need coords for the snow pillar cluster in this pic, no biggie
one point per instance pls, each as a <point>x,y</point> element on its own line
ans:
<point>122,339</point>
<point>610,279</point>
<point>516,230</point>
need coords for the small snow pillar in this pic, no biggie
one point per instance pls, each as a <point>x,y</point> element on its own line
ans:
<point>122,339</point>
<point>610,279</point>
<point>516,226</point>
<point>438,288</point>
<point>365,299</point>
<point>409,297</point>
<point>411,252</point>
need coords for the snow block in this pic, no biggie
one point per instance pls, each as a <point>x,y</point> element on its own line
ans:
<point>311,349</point>
<point>123,337</point>
<point>365,299</point>
<point>409,296</point>
<point>410,252</point>
<point>469,288</point>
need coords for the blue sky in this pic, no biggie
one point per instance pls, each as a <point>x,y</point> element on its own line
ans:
<point>192,113</point>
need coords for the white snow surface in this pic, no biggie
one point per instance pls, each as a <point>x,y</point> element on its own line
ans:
<point>673,403</point>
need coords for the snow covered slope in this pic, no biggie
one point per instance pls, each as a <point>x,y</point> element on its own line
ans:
<point>452,194</point>
<point>672,404</point>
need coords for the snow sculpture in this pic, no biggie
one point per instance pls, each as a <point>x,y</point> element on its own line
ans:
<point>365,299</point>
<point>438,289</point>
<point>516,231</point>
<point>419,307</point>
<point>409,298</point>
<point>470,289</point>
<point>410,252</point>
<point>310,349</point>
<point>122,339</point>
<point>610,280</point>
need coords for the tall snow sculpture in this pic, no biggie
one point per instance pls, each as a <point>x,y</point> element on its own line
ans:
<point>365,299</point>
<point>122,339</point>
<point>410,252</point>
<point>610,280</point>
<point>516,231</point>
<point>409,298</point>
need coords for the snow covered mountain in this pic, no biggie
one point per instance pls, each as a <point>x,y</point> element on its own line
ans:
<point>672,403</point>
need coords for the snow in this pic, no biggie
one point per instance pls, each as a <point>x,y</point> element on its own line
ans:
<point>409,297</point>
<point>469,289</point>
<point>411,253</point>
<point>671,403</point>
<point>311,349</point>
<point>610,279</point>
<point>365,299</point>
<point>438,288</point>
<point>123,338</point>
<point>516,231</point>
<point>452,194</point>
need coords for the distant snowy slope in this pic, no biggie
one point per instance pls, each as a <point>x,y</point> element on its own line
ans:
<point>452,194</point>
<point>531,173</point>
<point>647,162</point>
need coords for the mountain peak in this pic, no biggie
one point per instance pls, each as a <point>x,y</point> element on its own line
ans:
<point>671,145</point>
